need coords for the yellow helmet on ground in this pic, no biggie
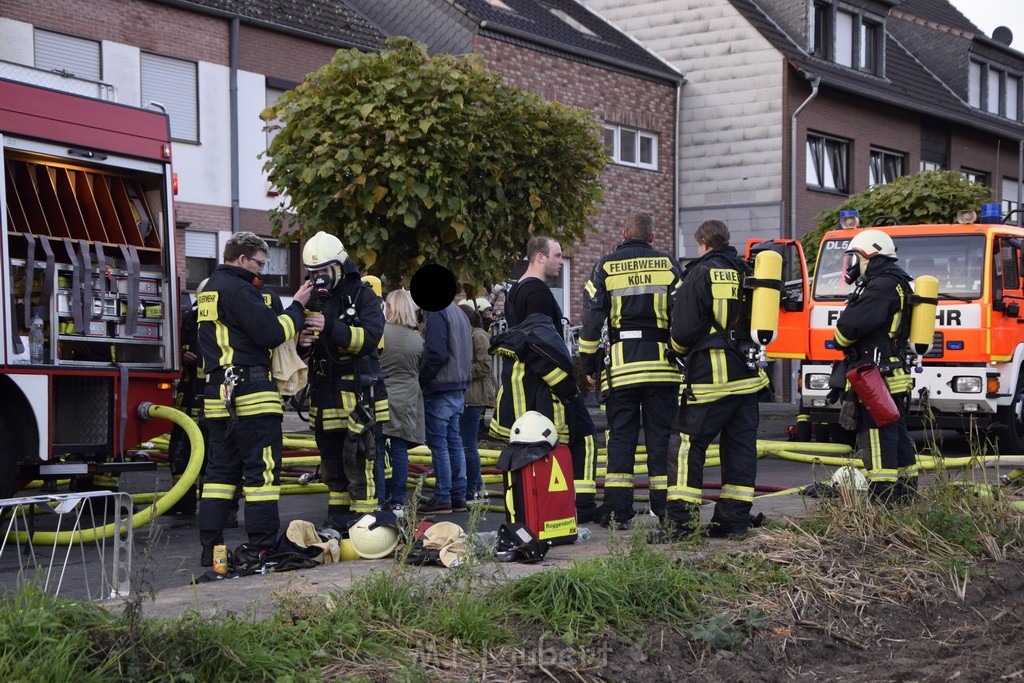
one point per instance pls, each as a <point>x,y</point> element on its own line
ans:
<point>372,541</point>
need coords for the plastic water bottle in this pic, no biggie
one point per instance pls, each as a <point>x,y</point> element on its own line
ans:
<point>35,339</point>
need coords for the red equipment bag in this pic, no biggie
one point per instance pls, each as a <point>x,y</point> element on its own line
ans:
<point>541,496</point>
<point>867,382</point>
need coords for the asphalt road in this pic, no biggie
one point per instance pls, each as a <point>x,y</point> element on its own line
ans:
<point>165,554</point>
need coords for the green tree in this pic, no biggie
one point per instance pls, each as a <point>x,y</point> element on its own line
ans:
<point>411,158</point>
<point>927,197</point>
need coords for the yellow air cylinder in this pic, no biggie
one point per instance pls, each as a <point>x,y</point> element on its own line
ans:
<point>374,282</point>
<point>922,316</point>
<point>348,551</point>
<point>764,314</point>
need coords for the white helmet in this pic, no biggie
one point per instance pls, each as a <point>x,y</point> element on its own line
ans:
<point>375,543</point>
<point>869,243</point>
<point>482,304</point>
<point>533,427</point>
<point>323,250</point>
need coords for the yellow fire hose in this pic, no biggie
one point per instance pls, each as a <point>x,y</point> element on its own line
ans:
<point>162,504</point>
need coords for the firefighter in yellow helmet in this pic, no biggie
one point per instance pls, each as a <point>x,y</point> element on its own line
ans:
<point>341,343</point>
<point>631,288</point>
<point>719,390</point>
<point>873,328</point>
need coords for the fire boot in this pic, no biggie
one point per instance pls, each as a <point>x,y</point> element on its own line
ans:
<point>209,539</point>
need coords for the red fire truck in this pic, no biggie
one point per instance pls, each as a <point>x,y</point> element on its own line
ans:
<point>87,245</point>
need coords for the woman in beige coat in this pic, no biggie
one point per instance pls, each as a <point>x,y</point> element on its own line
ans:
<point>400,359</point>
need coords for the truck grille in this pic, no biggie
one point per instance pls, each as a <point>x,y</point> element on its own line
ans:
<point>938,346</point>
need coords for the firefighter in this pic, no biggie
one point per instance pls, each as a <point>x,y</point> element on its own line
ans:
<point>344,377</point>
<point>542,386</point>
<point>874,327</point>
<point>720,388</point>
<point>242,406</point>
<point>631,288</point>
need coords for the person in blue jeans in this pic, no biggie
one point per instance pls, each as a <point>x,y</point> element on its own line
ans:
<point>400,358</point>
<point>445,374</point>
<point>479,397</point>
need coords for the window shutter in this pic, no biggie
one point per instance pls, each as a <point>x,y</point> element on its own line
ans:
<point>201,244</point>
<point>173,84</point>
<point>58,52</point>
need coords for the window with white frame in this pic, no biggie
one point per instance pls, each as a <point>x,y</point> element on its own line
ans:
<point>827,163</point>
<point>59,52</point>
<point>174,85</point>
<point>994,89</point>
<point>931,166</point>
<point>200,257</point>
<point>277,271</point>
<point>631,146</point>
<point>885,166</point>
<point>849,38</point>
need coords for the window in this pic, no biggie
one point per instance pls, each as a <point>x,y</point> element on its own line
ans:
<point>994,90</point>
<point>200,257</point>
<point>173,84</point>
<point>885,167</point>
<point>931,166</point>
<point>76,56</point>
<point>827,163</point>
<point>979,177</point>
<point>847,38</point>
<point>273,127</point>
<point>1010,195</point>
<point>631,147</point>
<point>277,271</point>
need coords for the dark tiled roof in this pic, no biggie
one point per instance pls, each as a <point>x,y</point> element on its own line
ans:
<point>440,25</point>
<point>331,19</point>
<point>534,19</point>
<point>939,11</point>
<point>908,82</point>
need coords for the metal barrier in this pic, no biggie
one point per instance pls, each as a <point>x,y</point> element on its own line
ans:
<point>56,542</point>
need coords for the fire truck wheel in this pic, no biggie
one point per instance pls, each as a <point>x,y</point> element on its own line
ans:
<point>8,466</point>
<point>1011,422</point>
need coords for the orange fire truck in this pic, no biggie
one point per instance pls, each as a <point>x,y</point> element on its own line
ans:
<point>974,372</point>
<point>87,244</point>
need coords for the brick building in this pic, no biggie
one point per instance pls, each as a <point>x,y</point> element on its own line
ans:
<point>559,50</point>
<point>791,105</point>
<point>213,65</point>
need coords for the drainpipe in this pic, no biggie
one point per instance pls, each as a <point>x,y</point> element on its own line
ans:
<point>815,82</point>
<point>233,96</point>
<point>1020,179</point>
<point>677,193</point>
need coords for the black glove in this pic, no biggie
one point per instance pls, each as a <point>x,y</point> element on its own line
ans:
<point>834,395</point>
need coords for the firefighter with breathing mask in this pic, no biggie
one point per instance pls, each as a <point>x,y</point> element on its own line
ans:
<point>340,340</point>
<point>873,328</point>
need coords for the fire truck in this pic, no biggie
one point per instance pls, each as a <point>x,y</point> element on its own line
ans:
<point>973,376</point>
<point>87,245</point>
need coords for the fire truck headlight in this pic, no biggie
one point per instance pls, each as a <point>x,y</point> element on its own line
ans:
<point>816,382</point>
<point>967,385</point>
<point>971,407</point>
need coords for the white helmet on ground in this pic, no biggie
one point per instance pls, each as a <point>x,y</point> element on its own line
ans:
<point>533,427</point>
<point>372,543</point>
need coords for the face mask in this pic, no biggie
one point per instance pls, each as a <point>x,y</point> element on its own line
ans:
<point>323,282</point>
<point>851,267</point>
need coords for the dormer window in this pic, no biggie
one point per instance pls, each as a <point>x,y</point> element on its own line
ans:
<point>994,90</point>
<point>846,36</point>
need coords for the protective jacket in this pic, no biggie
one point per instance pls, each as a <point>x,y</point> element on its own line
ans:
<point>631,288</point>
<point>238,329</point>
<point>874,326</point>
<point>537,375</point>
<point>706,321</point>
<point>343,362</point>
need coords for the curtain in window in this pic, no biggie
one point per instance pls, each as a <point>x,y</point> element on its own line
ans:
<point>836,164</point>
<point>814,146</point>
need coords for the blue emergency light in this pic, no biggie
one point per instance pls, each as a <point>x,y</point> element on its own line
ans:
<point>991,213</point>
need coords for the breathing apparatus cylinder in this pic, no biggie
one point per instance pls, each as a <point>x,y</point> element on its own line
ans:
<point>922,316</point>
<point>764,313</point>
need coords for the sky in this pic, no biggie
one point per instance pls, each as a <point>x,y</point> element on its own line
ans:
<point>987,14</point>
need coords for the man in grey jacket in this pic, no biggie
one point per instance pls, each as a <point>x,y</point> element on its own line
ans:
<point>445,374</point>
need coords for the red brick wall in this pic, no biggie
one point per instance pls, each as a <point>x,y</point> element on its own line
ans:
<point>153,28</point>
<point>615,98</point>
<point>278,55</point>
